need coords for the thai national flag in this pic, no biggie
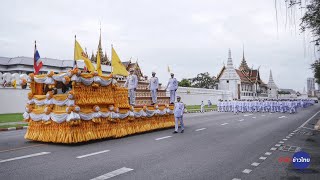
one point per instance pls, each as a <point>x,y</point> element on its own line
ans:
<point>37,61</point>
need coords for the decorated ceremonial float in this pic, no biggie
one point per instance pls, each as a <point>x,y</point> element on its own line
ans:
<point>91,107</point>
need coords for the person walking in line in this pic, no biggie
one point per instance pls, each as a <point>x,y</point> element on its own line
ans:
<point>132,83</point>
<point>178,115</point>
<point>173,86</point>
<point>153,86</point>
<point>202,107</point>
<point>209,103</point>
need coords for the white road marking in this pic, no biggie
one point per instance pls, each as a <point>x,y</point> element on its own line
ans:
<point>253,117</point>
<point>201,129</point>
<point>268,153</point>
<point>277,145</point>
<point>306,128</point>
<point>163,138</point>
<point>263,115</point>
<point>288,137</point>
<point>281,142</point>
<point>92,154</point>
<point>113,173</point>
<point>247,171</point>
<point>24,157</point>
<point>224,124</point>
<point>282,117</point>
<point>255,164</point>
<point>263,158</point>
<point>241,120</point>
<point>236,179</point>
<point>292,133</point>
<point>284,139</point>
<point>309,119</point>
<point>273,149</point>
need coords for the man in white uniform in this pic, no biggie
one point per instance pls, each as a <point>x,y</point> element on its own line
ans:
<point>178,115</point>
<point>153,86</point>
<point>173,86</point>
<point>132,83</point>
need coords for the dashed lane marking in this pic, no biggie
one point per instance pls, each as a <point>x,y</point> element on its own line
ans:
<point>92,154</point>
<point>288,137</point>
<point>277,145</point>
<point>247,171</point>
<point>224,124</point>
<point>241,120</point>
<point>24,157</point>
<point>273,149</point>
<point>201,129</point>
<point>255,164</point>
<point>113,173</point>
<point>281,142</point>
<point>165,137</point>
<point>236,179</point>
<point>253,117</point>
<point>263,158</point>
<point>285,139</point>
<point>268,153</point>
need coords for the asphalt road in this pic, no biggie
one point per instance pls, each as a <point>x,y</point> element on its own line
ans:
<point>214,146</point>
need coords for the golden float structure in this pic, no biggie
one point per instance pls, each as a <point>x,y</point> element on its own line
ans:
<point>96,107</point>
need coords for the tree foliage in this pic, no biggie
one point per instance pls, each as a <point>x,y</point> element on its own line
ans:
<point>185,83</point>
<point>316,70</point>
<point>203,80</point>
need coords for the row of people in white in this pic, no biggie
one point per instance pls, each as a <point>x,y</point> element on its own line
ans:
<point>272,106</point>
<point>132,84</point>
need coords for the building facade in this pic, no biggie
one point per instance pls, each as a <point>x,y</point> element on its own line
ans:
<point>311,86</point>
<point>243,83</point>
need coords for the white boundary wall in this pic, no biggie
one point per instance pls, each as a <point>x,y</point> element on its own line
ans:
<point>194,96</point>
<point>13,100</point>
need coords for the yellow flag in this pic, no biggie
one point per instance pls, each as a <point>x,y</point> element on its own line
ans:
<point>80,54</point>
<point>99,64</point>
<point>14,84</point>
<point>117,66</point>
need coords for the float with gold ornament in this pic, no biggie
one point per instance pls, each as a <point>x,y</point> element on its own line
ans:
<point>92,106</point>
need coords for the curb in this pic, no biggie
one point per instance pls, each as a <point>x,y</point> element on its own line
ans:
<point>190,112</point>
<point>13,128</point>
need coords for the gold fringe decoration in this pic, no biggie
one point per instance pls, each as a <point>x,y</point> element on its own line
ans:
<point>87,95</point>
<point>60,97</point>
<point>81,131</point>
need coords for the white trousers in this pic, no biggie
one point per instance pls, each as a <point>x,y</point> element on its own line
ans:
<point>172,96</point>
<point>132,96</point>
<point>177,119</point>
<point>154,96</point>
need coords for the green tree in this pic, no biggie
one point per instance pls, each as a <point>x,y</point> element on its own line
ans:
<point>203,80</point>
<point>316,70</point>
<point>185,83</point>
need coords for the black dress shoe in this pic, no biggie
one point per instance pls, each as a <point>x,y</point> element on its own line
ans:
<point>174,132</point>
<point>182,131</point>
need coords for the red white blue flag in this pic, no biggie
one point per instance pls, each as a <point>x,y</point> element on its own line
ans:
<point>37,63</point>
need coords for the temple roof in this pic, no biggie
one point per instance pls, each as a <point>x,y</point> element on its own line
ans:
<point>271,83</point>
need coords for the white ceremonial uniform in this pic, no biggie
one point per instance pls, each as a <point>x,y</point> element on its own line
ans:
<point>153,86</point>
<point>202,107</point>
<point>173,86</point>
<point>132,83</point>
<point>178,115</point>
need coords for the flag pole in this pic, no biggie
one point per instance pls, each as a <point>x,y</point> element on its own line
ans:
<point>74,52</point>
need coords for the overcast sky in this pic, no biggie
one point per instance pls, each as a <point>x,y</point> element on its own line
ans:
<point>189,36</point>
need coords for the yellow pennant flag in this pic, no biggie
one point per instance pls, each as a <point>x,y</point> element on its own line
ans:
<point>117,66</point>
<point>99,63</point>
<point>80,54</point>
